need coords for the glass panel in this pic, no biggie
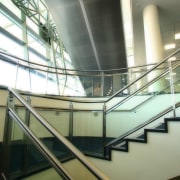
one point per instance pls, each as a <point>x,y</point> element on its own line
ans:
<point>38,46</point>
<point>176,86</point>
<point>9,71</point>
<point>97,86</point>
<point>60,151</point>
<point>54,145</point>
<point>32,25</point>
<point>25,158</point>
<point>146,104</point>
<point>87,85</point>
<point>87,131</point>
<point>38,81</point>
<point>59,119</point>
<point>52,86</point>
<point>11,7</point>
<point>10,26</point>
<point>62,80</point>
<point>74,86</point>
<point>107,91</point>
<point>23,75</point>
<point>10,46</point>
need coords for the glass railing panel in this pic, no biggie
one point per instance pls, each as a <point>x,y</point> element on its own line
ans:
<point>87,83</point>
<point>108,86</point>
<point>61,152</point>
<point>52,143</point>
<point>174,80</point>
<point>141,83</point>
<point>58,119</point>
<point>24,157</point>
<point>140,108</point>
<point>56,146</point>
<point>88,132</point>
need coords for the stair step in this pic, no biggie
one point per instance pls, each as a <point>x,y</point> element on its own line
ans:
<point>122,144</point>
<point>125,149</point>
<point>142,136</point>
<point>161,126</point>
<point>142,140</point>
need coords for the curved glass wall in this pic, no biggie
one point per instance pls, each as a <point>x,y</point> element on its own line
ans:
<point>26,36</point>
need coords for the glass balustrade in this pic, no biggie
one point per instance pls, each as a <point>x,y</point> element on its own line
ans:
<point>24,158</point>
<point>152,97</point>
<point>51,138</point>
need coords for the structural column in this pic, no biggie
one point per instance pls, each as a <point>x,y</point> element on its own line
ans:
<point>152,34</point>
<point>153,41</point>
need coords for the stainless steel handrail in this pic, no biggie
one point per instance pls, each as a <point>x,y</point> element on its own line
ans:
<point>139,90</point>
<point>143,75</point>
<point>75,70</point>
<point>142,125</point>
<point>133,94</point>
<point>52,159</point>
<point>73,149</point>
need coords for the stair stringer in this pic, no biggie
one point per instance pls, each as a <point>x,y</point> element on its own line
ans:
<point>159,159</point>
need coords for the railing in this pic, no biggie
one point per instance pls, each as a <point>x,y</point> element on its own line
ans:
<point>102,118</point>
<point>28,124</point>
<point>92,83</point>
<point>122,137</point>
<point>156,69</point>
<point>158,90</point>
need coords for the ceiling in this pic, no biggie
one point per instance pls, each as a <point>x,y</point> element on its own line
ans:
<point>92,32</point>
<point>169,13</point>
<point>169,10</point>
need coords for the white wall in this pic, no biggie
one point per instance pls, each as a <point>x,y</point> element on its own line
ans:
<point>159,159</point>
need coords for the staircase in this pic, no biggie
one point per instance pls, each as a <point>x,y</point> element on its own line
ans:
<point>123,145</point>
<point>155,154</point>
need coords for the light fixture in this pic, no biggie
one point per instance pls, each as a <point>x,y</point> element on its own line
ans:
<point>169,46</point>
<point>177,36</point>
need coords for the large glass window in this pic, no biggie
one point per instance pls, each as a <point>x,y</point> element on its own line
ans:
<point>9,45</point>
<point>26,37</point>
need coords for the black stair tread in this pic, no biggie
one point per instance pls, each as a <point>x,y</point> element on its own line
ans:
<point>135,139</point>
<point>173,118</point>
<point>156,130</point>
<point>119,148</point>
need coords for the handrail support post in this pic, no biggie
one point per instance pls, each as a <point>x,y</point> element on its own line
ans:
<point>104,130</point>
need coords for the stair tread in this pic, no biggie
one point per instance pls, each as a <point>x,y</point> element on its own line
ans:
<point>136,139</point>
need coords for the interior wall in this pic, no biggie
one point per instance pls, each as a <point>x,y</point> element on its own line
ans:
<point>159,159</point>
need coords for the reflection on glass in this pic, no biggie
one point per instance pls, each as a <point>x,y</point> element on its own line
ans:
<point>11,7</point>
<point>11,27</point>
<point>10,46</point>
<point>25,158</point>
<point>10,79</point>
<point>36,44</point>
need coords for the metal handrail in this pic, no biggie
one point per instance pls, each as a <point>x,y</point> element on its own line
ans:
<point>52,159</point>
<point>61,138</point>
<point>143,75</point>
<point>139,90</point>
<point>74,70</point>
<point>142,125</point>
